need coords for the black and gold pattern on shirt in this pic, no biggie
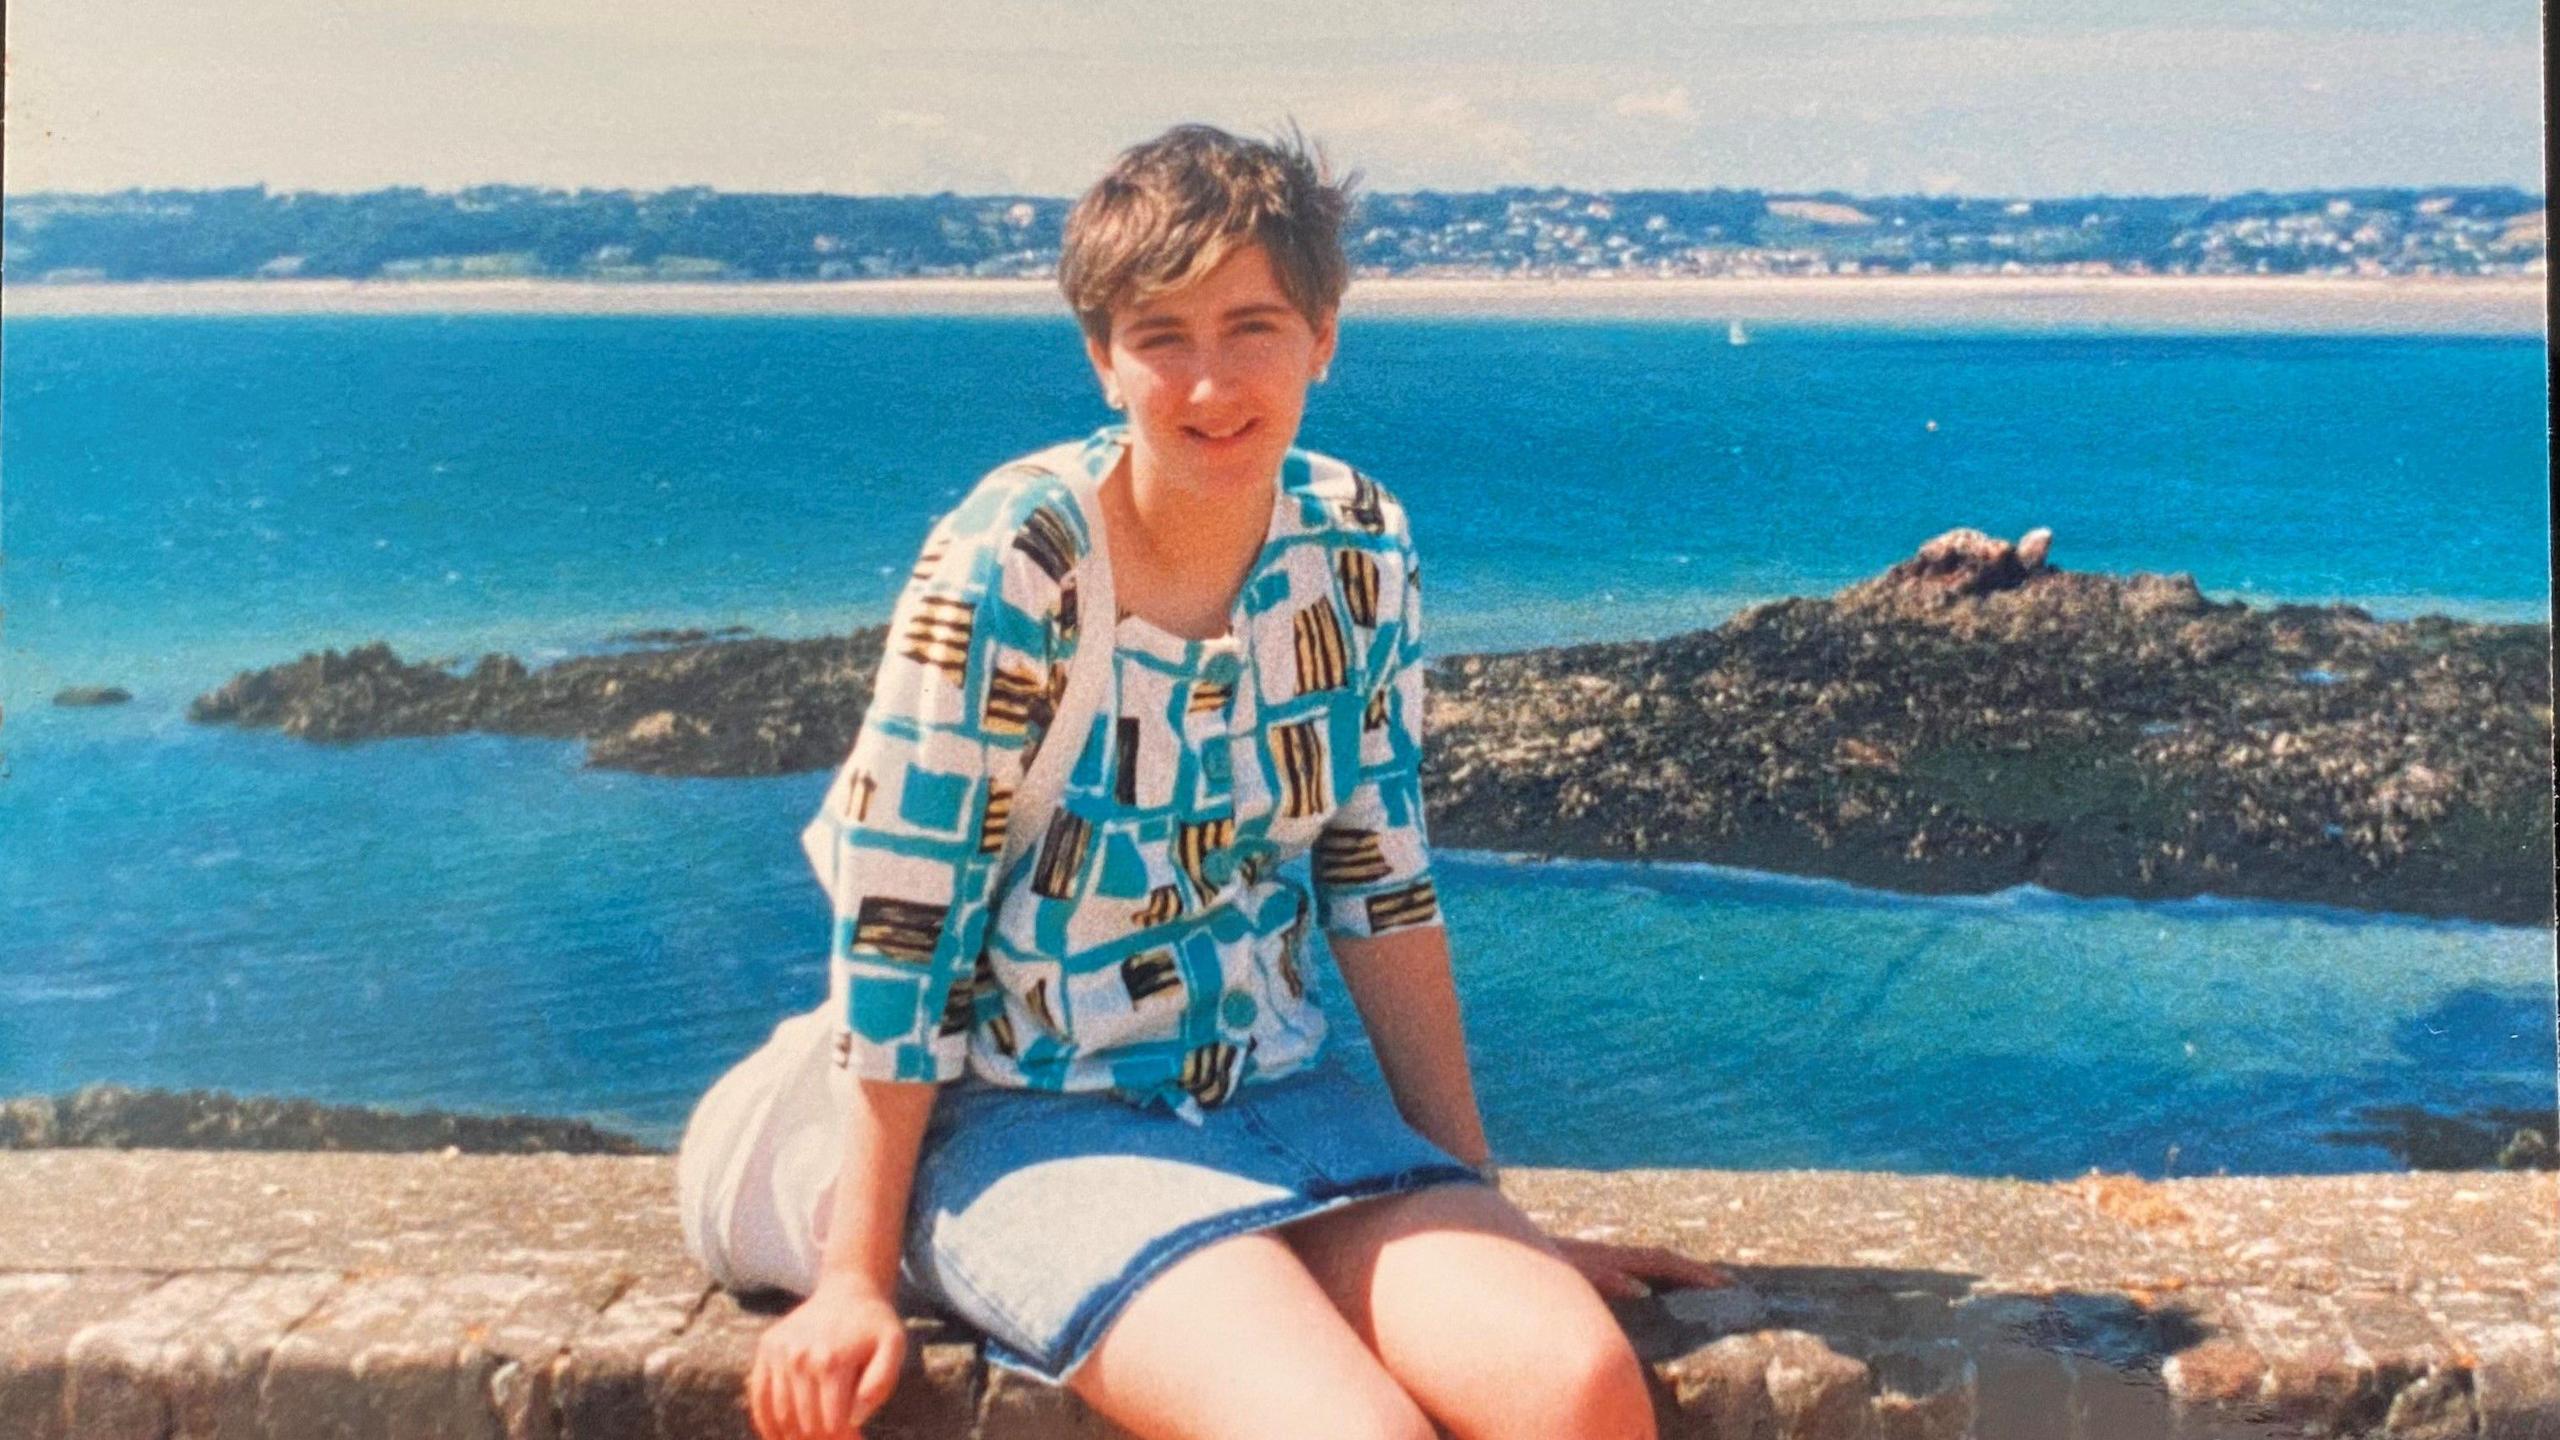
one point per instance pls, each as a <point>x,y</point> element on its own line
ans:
<point>1050,542</point>
<point>1036,1000</point>
<point>1358,572</point>
<point>1373,716</point>
<point>1411,905</point>
<point>1347,856</point>
<point>899,929</point>
<point>1324,652</point>
<point>1149,974</point>
<point>1292,943</point>
<point>1193,843</point>
<point>1124,770</point>
<point>1062,852</point>
<point>998,817</point>
<point>1014,693</point>
<point>938,635</point>
<point>959,1010</point>
<point>1366,509</point>
<point>1209,1072</point>
<point>930,561</point>
<point>1299,750</point>
<point>1164,903</point>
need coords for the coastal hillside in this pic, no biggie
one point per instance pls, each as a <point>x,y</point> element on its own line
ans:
<point>1973,719</point>
<point>696,233</point>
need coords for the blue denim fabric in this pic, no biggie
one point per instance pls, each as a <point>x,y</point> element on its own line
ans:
<point>1037,1215</point>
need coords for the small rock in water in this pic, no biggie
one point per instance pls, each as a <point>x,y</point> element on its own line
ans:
<point>1967,562</point>
<point>92,695</point>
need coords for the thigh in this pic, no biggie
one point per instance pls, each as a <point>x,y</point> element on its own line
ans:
<point>1238,1340</point>
<point>1467,1304</point>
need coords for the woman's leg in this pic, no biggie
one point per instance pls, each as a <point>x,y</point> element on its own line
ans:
<point>1475,1315</point>
<point>1237,1340</point>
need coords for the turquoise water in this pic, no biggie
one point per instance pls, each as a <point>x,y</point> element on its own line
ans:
<point>480,923</point>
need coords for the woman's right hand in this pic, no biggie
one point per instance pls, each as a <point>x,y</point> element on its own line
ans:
<point>827,1366</point>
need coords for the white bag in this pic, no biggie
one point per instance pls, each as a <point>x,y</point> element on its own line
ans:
<point>756,1170</point>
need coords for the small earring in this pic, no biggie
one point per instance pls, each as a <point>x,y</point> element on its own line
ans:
<point>1324,372</point>
<point>1112,399</point>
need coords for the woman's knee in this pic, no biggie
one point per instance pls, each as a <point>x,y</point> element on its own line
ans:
<point>1238,1340</point>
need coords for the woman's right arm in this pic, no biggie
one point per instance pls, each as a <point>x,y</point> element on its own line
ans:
<point>908,843</point>
<point>831,1364</point>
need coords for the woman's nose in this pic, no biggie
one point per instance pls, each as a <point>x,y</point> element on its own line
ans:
<point>1215,376</point>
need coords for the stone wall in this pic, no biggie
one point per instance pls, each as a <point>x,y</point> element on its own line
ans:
<point>162,1293</point>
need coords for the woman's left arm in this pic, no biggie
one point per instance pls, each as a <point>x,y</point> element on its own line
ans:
<point>1381,914</point>
<point>1408,1001</point>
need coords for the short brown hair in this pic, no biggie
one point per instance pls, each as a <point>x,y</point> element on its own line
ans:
<point>1170,209</point>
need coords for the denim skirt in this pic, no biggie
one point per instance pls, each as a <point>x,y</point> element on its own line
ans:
<point>1036,1216</point>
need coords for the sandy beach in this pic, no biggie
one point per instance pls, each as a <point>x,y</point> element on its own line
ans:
<point>2501,306</point>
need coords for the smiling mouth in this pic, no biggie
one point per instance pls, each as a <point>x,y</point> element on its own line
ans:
<point>1196,433</point>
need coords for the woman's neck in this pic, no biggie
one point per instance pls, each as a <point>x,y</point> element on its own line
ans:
<point>1177,528</point>
<point>1179,559</point>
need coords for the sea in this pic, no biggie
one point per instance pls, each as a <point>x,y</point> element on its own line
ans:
<point>483,924</point>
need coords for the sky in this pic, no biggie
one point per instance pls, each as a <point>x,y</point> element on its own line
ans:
<point>1978,97</point>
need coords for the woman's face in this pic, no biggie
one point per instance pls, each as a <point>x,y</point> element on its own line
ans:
<point>1215,375</point>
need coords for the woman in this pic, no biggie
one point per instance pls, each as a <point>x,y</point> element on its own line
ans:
<point>1144,1185</point>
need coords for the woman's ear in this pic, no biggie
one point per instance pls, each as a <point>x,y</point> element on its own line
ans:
<point>1099,354</point>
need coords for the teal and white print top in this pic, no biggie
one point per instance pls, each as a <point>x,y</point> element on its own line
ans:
<point>1148,943</point>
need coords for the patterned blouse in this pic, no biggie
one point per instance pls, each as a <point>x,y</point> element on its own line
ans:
<point>1150,943</point>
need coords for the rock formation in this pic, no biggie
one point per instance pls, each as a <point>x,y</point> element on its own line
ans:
<point>1972,719</point>
<point>119,1117</point>
<point>84,695</point>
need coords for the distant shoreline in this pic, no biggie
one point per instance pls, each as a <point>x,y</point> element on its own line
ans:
<point>2208,304</point>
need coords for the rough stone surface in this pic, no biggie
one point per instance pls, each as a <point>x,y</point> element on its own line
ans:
<point>40,1314</point>
<point>168,1293</point>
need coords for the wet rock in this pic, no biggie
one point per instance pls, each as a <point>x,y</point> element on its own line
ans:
<point>1966,723</point>
<point>89,695</point>
<point>1973,719</point>
<point>690,635</point>
<point>721,707</point>
<point>2491,1138</point>
<point>122,1118</point>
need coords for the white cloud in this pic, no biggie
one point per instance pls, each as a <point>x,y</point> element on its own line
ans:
<point>2055,97</point>
<point>1670,105</point>
<point>1433,139</point>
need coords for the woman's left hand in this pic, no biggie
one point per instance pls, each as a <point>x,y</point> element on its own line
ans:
<point>1625,1272</point>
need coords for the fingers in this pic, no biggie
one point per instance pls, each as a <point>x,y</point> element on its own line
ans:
<point>797,1421</point>
<point>808,1393</point>
<point>871,1390</point>
<point>834,1385</point>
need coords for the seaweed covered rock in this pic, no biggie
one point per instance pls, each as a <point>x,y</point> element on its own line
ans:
<point>1971,719</point>
<point>121,1117</point>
